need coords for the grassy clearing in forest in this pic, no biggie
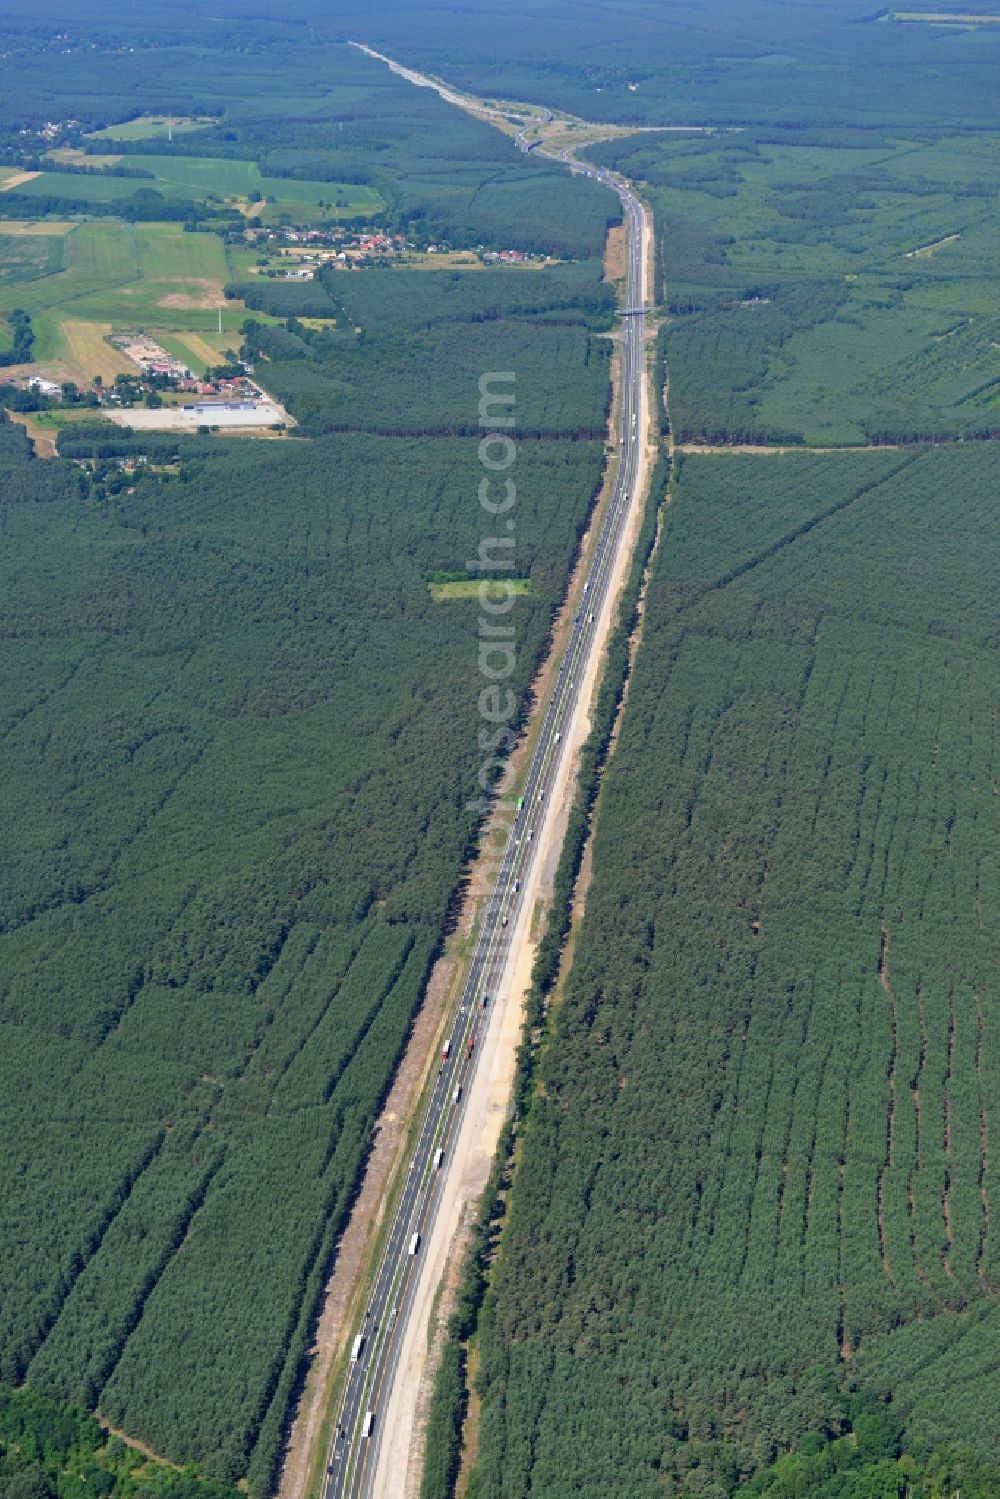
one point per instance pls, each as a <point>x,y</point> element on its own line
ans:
<point>468,588</point>
<point>203,179</point>
<point>149,126</point>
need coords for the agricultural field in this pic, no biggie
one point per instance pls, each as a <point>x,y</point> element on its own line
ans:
<point>200,180</point>
<point>370,147</point>
<point>826,294</point>
<point>775,1063</point>
<point>101,276</point>
<point>76,156</point>
<point>29,252</point>
<point>202,177</point>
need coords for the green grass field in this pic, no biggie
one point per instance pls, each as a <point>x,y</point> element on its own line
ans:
<point>207,178</point>
<point>96,256</point>
<point>92,188</point>
<point>69,416</point>
<point>148,126</point>
<point>201,176</point>
<point>27,257</point>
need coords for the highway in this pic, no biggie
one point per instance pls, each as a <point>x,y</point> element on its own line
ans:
<point>353,1454</point>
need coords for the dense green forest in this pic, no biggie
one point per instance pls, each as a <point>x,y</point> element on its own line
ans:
<point>242,739</point>
<point>736,62</point>
<point>407,347</point>
<point>49,1451</point>
<point>830,292</point>
<point>757,1166</point>
<point>871,1460</point>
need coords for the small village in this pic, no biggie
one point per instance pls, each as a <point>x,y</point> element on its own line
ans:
<point>296,252</point>
<point>157,382</point>
<point>163,394</point>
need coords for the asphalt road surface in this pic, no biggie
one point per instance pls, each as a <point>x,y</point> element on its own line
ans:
<point>353,1454</point>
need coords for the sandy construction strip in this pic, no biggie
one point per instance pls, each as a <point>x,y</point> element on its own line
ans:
<point>945,17</point>
<point>615,247</point>
<point>401,1454</point>
<point>760,447</point>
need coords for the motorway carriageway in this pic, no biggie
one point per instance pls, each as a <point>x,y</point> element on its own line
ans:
<point>353,1455</point>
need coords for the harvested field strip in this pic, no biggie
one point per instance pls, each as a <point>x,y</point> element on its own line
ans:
<point>50,227</point>
<point>89,352</point>
<point>10,179</point>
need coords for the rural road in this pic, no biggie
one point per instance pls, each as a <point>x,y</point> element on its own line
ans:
<point>366,1457</point>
